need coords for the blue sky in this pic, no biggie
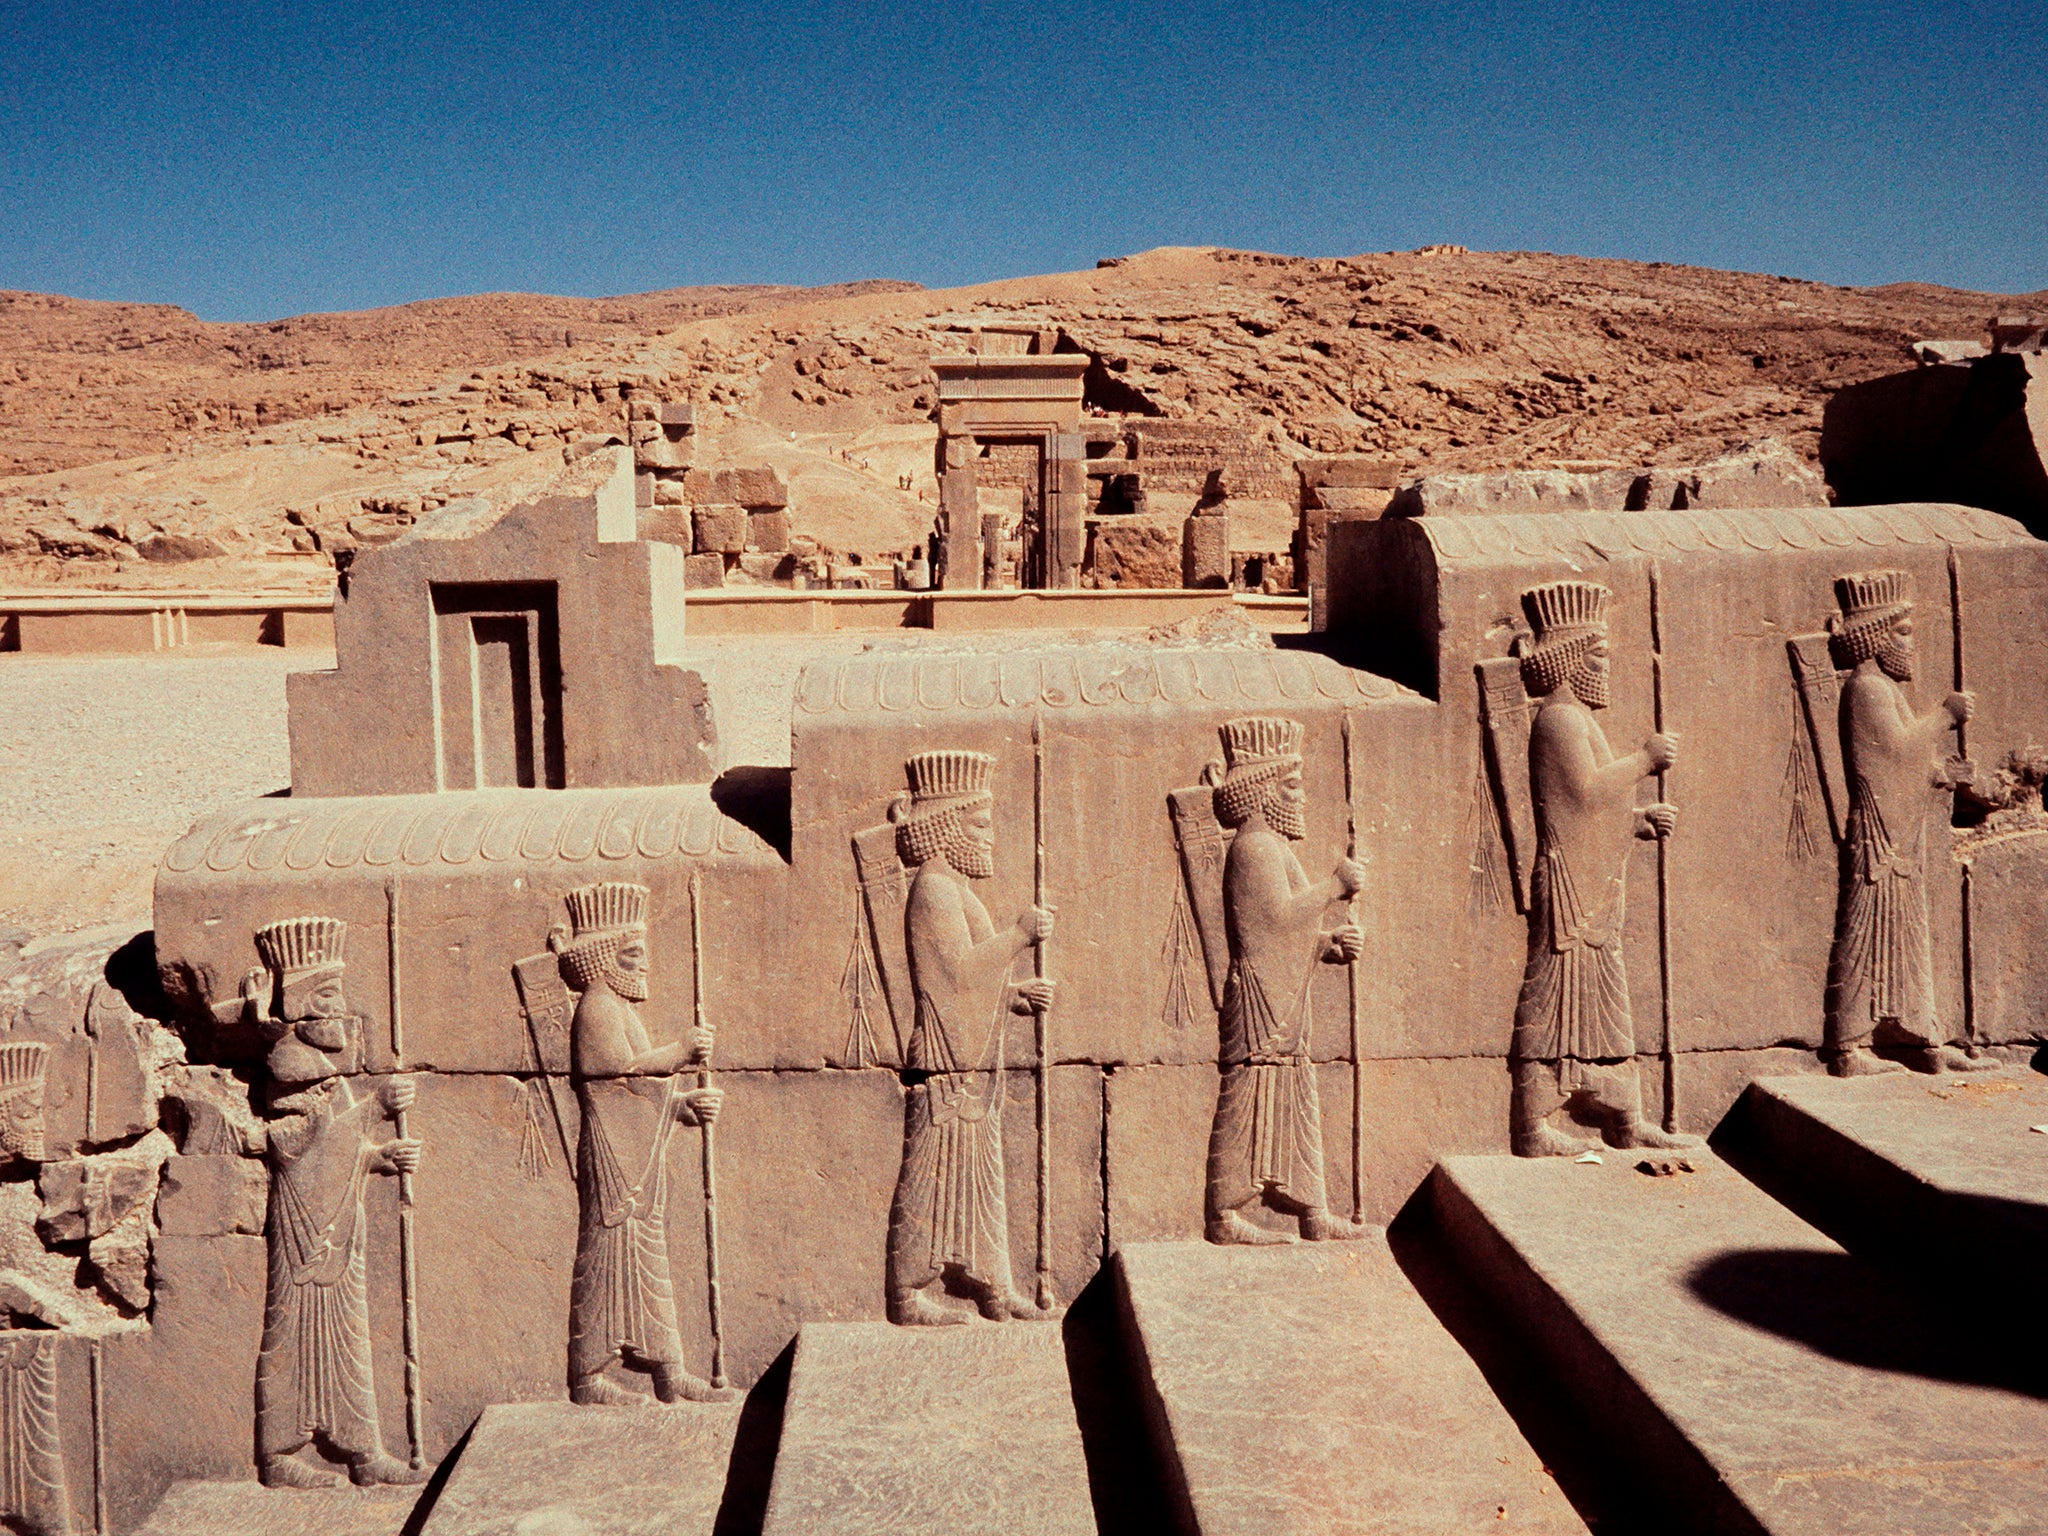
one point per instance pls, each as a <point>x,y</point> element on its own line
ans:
<point>250,161</point>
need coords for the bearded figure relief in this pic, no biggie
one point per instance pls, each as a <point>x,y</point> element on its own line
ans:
<point>633,1094</point>
<point>1266,1145</point>
<point>1881,969</point>
<point>1574,1041</point>
<point>949,1229</point>
<point>314,1385</point>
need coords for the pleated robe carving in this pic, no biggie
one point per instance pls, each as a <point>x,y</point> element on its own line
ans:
<point>33,1497</point>
<point>313,1375</point>
<point>622,1298</point>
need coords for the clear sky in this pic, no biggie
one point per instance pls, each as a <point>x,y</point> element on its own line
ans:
<point>252,160</point>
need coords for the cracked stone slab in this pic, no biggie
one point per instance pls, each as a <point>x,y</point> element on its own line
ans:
<point>1310,1389</point>
<point>1906,1166</point>
<point>574,1471</point>
<point>1755,1376</point>
<point>250,1509</point>
<point>969,1430</point>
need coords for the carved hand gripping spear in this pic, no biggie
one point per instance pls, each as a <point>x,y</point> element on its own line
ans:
<point>714,1297</point>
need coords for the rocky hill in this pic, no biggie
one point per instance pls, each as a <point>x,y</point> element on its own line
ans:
<point>140,445</point>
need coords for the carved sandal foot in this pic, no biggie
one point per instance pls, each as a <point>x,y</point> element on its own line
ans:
<point>1861,1061</point>
<point>1947,1058</point>
<point>289,1472</point>
<point>1233,1228</point>
<point>1547,1141</point>
<point>914,1309</point>
<point>1322,1227</point>
<point>372,1471</point>
<point>1642,1134</point>
<point>602,1392</point>
<point>1003,1306</point>
<point>677,1386</point>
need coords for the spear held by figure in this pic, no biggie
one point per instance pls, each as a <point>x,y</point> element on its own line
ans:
<point>714,1297</point>
<point>1041,1016</point>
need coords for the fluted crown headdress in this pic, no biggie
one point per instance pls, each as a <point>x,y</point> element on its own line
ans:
<point>606,906</point>
<point>1872,594</point>
<point>21,1064</point>
<point>948,775</point>
<point>300,944</point>
<point>1871,602</point>
<point>1562,610</point>
<point>1254,741</point>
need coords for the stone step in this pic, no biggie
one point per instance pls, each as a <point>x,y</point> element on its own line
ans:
<point>250,1509</point>
<point>1752,1375</point>
<point>1308,1389</point>
<point>555,1467</point>
<point>1912,1169</point>
<point>967,1430</point>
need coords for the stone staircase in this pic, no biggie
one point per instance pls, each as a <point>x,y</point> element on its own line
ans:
<point>1808,1330</point>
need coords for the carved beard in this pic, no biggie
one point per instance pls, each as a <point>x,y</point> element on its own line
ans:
<point>22,1140</point>
<point>1591,688</point>
<point>971,859</point>
<point>1287,818</point>
<point>631,985</point>
<point>1896,656</point>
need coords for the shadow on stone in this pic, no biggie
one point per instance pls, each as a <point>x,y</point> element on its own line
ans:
<point>752,1466</point>
<point>1853,1312</point>
<point>758,799</point>
<point>430,1494</point>
<point>1126,1482</point>
<point>1588,1472</point>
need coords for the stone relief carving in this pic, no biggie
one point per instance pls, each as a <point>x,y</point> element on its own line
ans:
<point>1881,968</point>
<point>314,1383</point>
<point>545,1005</point>
<point>1261,923</point>
<point>949,1220</point>
<point>633,1093</point>
<point>34,1497</point>
<point>21,1100</point>
<point>1574,1039</point>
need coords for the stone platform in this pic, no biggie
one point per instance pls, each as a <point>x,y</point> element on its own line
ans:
<point>969,1430</point>
<point>250,1509</point>
<point>1911,1168</point>
<point>1754,1376</point>
<point>555,1467</point>
<point>1309,1389</point>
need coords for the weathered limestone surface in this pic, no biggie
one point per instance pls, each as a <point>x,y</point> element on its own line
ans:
<point>968,1430</point>
<point>249,1509</point>
<point>1948,1171</point>
<point>551,1467</point>
<point>1753,1376</point>
<point>1310,1389</point>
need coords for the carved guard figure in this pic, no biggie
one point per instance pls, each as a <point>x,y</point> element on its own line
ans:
<point>949,1224</point>
<point>633,1094</point>
<point>1881,969</point>
<point>314,1384</point>
<point>1574,1041</point>
<point>1266,1145</point>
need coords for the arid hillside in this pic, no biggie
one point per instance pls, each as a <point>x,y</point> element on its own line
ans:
<point>139,445</point>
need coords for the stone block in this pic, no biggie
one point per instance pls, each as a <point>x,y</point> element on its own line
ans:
<point>1764,474</point>
<point>1917,1172</point>
<point>250,1509</point>
<point>678,414</point>
<point>873,1409</point>
<point>1127,553</point>
<point>759,565</point>
<point>1513,491</point>
<point>758,488</point>
<point>668,491</point>
<point>1205,551</point>
<point>543,1467</point>
<point>663,451</point>
<point>768,530</point>
<point>1713,1339</point>
<point>212,1195</point>
<point>669,525</point>
<point>1370,1417</point>
<point>720,530</point>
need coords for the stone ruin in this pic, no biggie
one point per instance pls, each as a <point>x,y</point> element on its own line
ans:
<point>535,1080</point>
